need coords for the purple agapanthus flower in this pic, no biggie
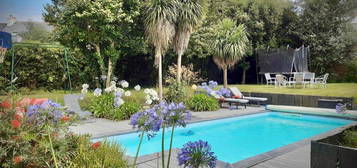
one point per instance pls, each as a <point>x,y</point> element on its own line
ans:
<point>210,87</point>
<point>148,121</point>
<point>197,154</point>
<point>174,114</point>
<point>32,110</point>
<point>224,92</point>
<point>212,84</point>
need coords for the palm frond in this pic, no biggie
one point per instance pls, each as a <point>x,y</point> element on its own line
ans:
<point>230,43</point>
<point>160,16</point>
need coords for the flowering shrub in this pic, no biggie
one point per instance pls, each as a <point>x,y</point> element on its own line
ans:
<point>197,154</point>
<point>151,96</point>
<point>202,102</point>
<point>176,93</point>
<point>35,134</point>
<point>112,106</point>
<point>28,133</point>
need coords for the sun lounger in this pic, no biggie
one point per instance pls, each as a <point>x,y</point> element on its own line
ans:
<point>230,101</point>
<point>236,93</point>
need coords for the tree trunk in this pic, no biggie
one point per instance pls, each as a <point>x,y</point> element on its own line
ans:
<point>179,70</point>
<point>159,57</point>
<point>243,76</point>
<point>110,70</point>
<point>225,81</point>
<point>110,67</point>
<point>99,58</point>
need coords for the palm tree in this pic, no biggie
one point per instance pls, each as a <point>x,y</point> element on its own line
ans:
<point>189,16</point>
<point>229,44</point>
<point>160,16</point>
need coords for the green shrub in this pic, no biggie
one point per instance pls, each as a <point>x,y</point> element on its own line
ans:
<point>202,102</point>
<point>350,138</point>
<point>98,155</point>
<point>126,110</point>
<point>176,93</point>
<point>103,106</point>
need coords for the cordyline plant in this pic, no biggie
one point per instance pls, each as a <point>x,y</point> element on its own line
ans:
<point>162,116</point>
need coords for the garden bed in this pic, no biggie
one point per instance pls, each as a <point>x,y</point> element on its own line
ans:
<point>339,150</point>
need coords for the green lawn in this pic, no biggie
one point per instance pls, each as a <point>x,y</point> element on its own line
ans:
<point>56,95</point>
<point>333,89</point>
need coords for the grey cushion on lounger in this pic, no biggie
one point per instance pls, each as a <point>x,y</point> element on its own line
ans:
<point>236,100</point>
<point>235,91</point>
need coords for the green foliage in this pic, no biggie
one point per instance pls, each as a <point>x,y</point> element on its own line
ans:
<point>105,155</point>
<point>323,28</point>
<point>202,102</point>
<point>44,68</point>
<point>125,111</point>
<point>350,138</point>
<point>103,106</point>
<point>176,93</point>
<point>99,29</point>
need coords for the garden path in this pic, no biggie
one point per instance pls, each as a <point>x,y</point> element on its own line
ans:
<point>71,101</point>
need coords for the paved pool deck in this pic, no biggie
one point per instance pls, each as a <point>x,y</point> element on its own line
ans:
<point>295,155</point>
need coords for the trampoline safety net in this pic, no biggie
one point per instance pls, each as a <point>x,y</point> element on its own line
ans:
<point>283,60</point>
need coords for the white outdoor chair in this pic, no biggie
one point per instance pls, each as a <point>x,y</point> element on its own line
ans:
<point>269,79</point>
<point>310,78</point>
<point>322,80</point>
<point>299,78</point>
<point>281,80</point>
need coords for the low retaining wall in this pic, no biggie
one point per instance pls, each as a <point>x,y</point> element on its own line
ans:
<point>296,100</point>
<point>326,154</point>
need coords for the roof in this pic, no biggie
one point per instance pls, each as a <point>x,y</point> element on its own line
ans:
<point>2,26</point>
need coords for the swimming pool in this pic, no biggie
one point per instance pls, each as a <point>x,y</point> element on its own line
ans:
<point>238,138</point>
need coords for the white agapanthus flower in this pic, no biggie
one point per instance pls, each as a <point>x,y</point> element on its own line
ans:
<point>124,84</point>
<point>149,101</point>
<point>146,91</point>
<point>97,92</point>
<point>84,91</point>
<point>194,87</point>
<point>137,87</point>
<point>85,86</point>
<point>119,90</point>
<point>127,93</point>
<point>151,95</point>
<point>113,83</point>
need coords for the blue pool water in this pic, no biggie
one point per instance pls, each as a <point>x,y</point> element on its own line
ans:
<point>235,139</point>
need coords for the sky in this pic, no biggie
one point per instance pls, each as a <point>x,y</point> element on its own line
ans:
<point>23,10</point>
